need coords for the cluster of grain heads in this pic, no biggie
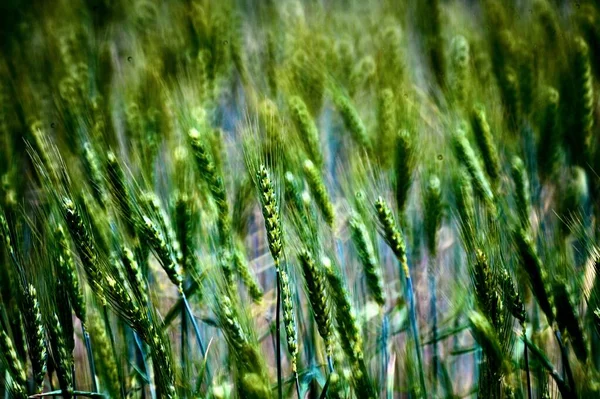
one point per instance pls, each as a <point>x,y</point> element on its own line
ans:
<point>127,179</point>
<point>113,289</point>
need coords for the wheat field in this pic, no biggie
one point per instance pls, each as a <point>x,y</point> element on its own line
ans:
<point>299,199</point>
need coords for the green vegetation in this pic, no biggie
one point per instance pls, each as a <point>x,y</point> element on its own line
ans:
<point>299,199</point>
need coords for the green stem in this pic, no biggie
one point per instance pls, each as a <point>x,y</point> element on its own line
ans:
<point>415,333</point>
<point>278,335</point>
<point>90,354</point>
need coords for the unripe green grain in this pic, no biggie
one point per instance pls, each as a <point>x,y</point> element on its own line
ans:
<point>184,226</point>
<point>392,234</point>
<point>36,336</point>
<point>13,363</point>
<point>293,197</point>
<point>549,142</point>
<point>367,256</point>
<point>84,244</point>
<point>120,191</point>
<point>352,121</point>
<point>348,330</point>
<point>289,319</point>
<point>103,356</point>
<point>63,360</point>
<point>485,142</point>
<point>134,274</point>
<point>347,324</point>
<point>319,191</point>
<point>466,207</point>
<point>243,270</point>
<point>309,133</point>
<point>67,273</point>
<point>404,167</point>
<point>459,58</point>
<point>270,211</point>
<point>433,209</point>
<point>522,197</point>
<point>94,174</point>
<point>486,294</point>
<point>574,198</point>
<point>512,98</point>
<point>386,120</point>
<point>532,264</point>
<point>215,183</point>
<point>567,319</point>
<point>156,241</point>
<point>315,287</point>
<point>155,208</point>
<point>362,74</point>
<point>516,307</point>
<point>466,156</point>
<point>486,336</point>
<point>580,138</point>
